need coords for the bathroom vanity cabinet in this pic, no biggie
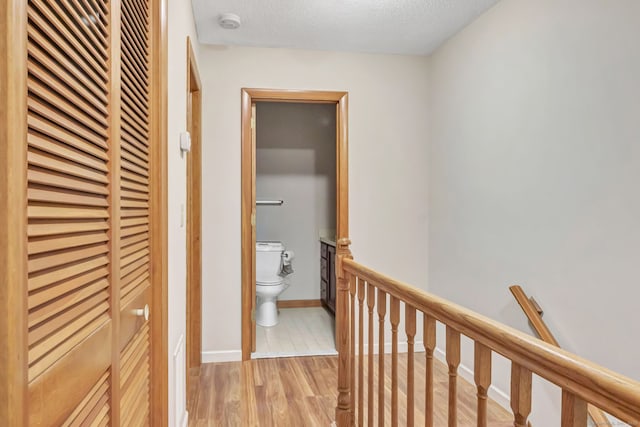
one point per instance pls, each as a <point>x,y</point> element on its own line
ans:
<point>328,274</point>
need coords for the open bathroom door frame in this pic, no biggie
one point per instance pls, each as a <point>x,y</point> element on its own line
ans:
<point>194,216</point>
<point>250,97</point>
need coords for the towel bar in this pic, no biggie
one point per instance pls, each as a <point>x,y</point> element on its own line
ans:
<point>269,202</point>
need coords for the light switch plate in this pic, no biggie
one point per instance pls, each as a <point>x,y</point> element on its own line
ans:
<point>185,142</point>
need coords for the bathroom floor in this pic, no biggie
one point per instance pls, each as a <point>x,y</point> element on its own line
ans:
<point>299,332</point>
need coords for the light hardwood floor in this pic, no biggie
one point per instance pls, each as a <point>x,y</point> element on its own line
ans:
<point>301,391</point>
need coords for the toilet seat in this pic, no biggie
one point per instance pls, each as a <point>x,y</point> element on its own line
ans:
<point>275,283</point>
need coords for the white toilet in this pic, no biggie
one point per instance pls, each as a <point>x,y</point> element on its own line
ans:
<point>270,258</point>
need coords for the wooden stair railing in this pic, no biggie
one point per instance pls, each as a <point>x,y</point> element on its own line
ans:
<point>534,315</point>
<point>581,381</point>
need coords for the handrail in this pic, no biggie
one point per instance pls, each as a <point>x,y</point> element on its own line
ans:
<point>616,394</point>
<point>534,317</point>
<point>543,331</point>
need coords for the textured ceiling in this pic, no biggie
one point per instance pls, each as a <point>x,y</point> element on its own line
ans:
<point>377,26</point>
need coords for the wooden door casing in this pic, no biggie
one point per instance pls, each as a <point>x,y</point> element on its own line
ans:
<point>247,207</point>
<point>194,217</point>
<point>81,160</point>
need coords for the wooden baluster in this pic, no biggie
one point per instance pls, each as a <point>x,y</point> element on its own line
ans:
<point>574,410</point>
<point>453,361</point>
<point>382,310</point>
<point>429,338</point>
<point>360,353</point>
<point>482,376</point>
<point>344,414</point>
<point>520,394</point>
<point>371,300</point>
<point>395,320</point>
<point>410,330</point>
<point>352,311</point>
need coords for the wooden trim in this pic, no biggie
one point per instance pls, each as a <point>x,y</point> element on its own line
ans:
<point>253,223</point>
<point>247,204</point>
<point>193,71</point>
<point>294,95</point>
<point>300,303</point>
<point>614,393</point>
<point>13,221</point>
<point>194,215</point>
<point>249,96</point>
<point>158,211</point>
<point>115,132</point>
<point>342,163</point>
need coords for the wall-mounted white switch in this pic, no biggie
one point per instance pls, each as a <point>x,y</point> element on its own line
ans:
<point>185,142</point>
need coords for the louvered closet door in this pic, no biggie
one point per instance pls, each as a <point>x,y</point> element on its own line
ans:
<point>134,213</point>
<point>88,213</point>
<point>69,284</point>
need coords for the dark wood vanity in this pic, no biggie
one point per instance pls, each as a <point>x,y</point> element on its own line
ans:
<point>328,274</point>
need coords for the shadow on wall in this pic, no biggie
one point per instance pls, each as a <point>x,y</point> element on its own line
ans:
<point>283,127</point>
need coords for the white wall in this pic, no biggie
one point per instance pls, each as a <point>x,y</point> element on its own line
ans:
<point>388,156</point>
<point>180,25</point>
<point>296,162</point>
<point>534,165</point>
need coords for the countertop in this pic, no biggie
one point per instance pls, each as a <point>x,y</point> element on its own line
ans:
<point>331,241</point>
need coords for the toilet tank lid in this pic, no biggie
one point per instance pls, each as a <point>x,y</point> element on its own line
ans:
<point>269,246</point>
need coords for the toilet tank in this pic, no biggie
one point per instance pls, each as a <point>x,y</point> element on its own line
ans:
<point>268,261</point>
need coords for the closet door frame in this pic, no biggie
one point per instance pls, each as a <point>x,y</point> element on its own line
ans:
<point>159,217</point>
<point>13,217</point>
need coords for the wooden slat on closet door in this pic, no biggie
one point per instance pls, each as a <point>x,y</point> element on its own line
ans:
<point>51,33</point>
<point>64,288</point>
<point>135,155</point>
<point>138,279</point>
<point>134,379</point>
<point>68,195</point>
<point>53,243</point>
<point>65,228</point>
<point>94,408</point>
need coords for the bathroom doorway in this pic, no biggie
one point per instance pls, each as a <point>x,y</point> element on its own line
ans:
<point>301,307</point>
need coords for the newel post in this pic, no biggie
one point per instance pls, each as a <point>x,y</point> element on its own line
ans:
<point>344,411</point>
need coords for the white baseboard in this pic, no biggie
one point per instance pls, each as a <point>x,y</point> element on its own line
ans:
<point>221,356</point>
<point>236,355</point>
<point>185,419</point>
<point>275,354</point>
<point>499,396</point>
